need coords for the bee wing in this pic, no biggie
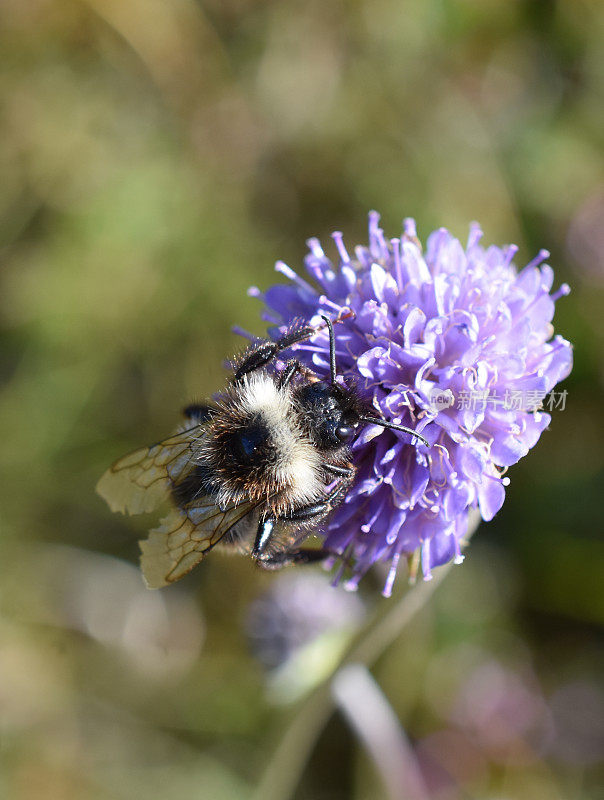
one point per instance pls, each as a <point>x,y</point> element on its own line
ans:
<point>184,537</point>
<point>139,481</point>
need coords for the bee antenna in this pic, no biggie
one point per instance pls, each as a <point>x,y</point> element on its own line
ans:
<point>332,348</point>
<point>385,424</point>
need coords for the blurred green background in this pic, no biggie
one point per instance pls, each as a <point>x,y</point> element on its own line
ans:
<point>156,158</point>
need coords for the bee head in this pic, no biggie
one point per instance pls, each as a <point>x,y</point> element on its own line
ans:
<point>332,413</point>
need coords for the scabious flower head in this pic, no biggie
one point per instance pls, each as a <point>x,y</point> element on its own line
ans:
<point>453,342</point>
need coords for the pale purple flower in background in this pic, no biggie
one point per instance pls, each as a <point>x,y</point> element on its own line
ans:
<point>430,331</point>
<point>577,709</point>
<point>294,612</point>
<point>497,705</point>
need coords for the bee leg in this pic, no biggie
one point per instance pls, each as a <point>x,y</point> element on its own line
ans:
<point>314,511</point>
<point>263,534</point>
<point>263,352</point>
<point>266,526</point>
<point>292,368</point>
<point>197,412</point>
<point>318,510</point>
<point>286,558</point>
<point>305,513</point>
<point>346,471</point>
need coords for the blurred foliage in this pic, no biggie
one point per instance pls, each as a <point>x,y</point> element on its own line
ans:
<point>157,156</point>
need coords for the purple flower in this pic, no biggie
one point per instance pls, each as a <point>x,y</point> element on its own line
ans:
<point>455,343</point>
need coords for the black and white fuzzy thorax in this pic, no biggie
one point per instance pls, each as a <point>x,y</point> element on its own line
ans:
<point>269,442</point>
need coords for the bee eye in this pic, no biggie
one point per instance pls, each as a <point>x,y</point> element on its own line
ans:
<point>345,432</point>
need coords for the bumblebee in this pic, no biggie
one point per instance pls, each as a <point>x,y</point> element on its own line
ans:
<point>254,472</point>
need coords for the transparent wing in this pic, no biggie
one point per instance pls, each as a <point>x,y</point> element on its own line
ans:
<point>139,481</point>
<point>184,537</point>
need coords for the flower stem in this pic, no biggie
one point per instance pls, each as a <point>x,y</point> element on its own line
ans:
<point>286,765</point>
<point>362,702</point>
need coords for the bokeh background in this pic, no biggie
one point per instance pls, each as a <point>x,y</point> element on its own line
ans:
<point>156,158</point>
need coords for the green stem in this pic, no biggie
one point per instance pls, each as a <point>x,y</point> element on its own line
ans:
<point>287,763</point>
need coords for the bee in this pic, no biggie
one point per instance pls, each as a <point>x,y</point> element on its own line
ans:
<point>254,472</point>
